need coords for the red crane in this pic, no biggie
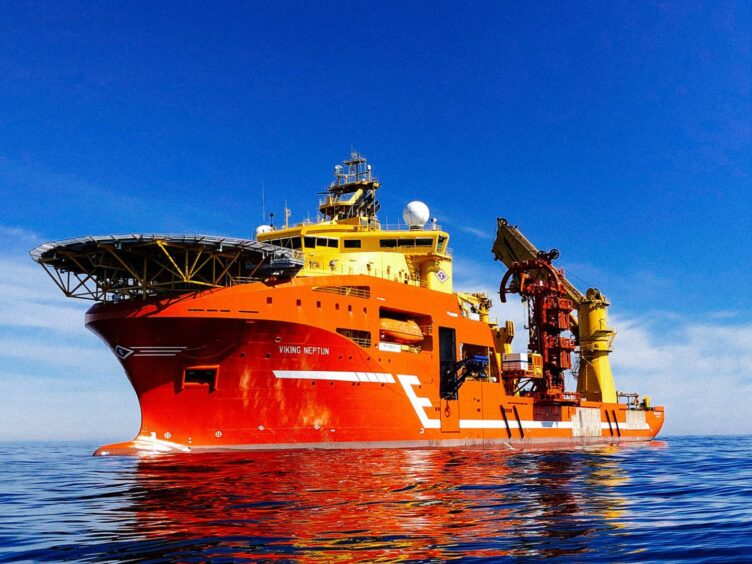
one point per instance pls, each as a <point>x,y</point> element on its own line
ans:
<point>549,309</point>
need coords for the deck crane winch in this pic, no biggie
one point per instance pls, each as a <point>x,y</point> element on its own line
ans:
<point>531,274</point>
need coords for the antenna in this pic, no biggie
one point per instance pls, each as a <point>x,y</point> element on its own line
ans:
<point>263,202</point>
<point>288,212</point>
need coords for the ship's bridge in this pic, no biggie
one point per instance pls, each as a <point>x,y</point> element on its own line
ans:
<point>349,239</point>
<point>416,257</point>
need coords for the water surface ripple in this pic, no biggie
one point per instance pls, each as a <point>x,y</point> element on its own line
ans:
<point>682,498</point>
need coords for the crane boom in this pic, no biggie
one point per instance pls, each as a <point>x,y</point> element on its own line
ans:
<point>594,338</point>
<point>512,246</point>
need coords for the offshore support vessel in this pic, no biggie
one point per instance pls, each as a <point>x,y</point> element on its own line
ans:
<point>343,333</point>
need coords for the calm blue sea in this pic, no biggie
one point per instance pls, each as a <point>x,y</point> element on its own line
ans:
<point>680,498</point>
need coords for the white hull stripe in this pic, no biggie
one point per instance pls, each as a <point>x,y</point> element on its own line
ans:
<point>421,403</point>
<point>499,424</point>
<point>177,348</point>
<point>125,352</point>
<point>375,377</point>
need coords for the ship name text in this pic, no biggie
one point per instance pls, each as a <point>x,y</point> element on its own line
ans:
<point>299,349</point>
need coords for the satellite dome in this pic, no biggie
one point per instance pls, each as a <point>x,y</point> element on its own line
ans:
<point>416,214</point>
<point>263,229</point>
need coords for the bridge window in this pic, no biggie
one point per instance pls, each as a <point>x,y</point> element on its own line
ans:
<point>388,243</point>
<point>424,242</point>
<point>326,242</point>
<point>352,243</point>
<point>288,242</point>
<point>309,242</point>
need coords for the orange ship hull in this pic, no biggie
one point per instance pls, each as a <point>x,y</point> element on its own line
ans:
<point>256,366</point>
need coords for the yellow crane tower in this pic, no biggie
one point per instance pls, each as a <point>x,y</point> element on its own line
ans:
<point>595,381</point>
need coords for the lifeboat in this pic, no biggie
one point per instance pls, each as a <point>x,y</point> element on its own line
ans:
<point>398,331</point>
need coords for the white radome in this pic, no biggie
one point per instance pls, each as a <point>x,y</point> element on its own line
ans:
<point>416,214</point>
<point>263,229</point>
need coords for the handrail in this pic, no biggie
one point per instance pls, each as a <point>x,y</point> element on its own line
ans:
<point>151,237</point>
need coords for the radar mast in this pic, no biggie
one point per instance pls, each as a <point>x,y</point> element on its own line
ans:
<point>352,194</point>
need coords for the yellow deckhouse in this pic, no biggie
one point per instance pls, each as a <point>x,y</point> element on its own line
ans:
<point>349,238</point>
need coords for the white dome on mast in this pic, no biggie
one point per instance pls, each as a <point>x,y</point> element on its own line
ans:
<point>416,214</point>
<point>263,229</point>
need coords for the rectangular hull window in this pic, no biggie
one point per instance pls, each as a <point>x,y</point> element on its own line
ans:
<point>201,376</point>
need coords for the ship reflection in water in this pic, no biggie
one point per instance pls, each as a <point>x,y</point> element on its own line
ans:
<point>380,504</point>
<point>685,499</point>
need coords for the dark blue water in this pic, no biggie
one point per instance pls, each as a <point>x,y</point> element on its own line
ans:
<point>686,498</point>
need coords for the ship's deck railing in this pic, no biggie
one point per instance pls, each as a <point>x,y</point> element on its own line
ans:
<point>405,227</point>
<point>119,240</point>
<point>420,251</point>
<point>402,227</point>
<point>631,399</point>
<point>356,291</point>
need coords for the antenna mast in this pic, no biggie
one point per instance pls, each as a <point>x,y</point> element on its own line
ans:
<point>352,195</point>
<point>263,202</point>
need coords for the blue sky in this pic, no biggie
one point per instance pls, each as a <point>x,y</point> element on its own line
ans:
<point>620,133</point>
